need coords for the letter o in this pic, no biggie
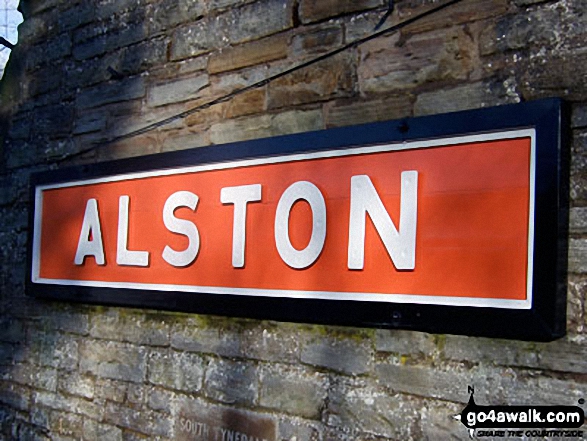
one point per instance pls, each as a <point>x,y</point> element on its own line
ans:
<point>301,190</point>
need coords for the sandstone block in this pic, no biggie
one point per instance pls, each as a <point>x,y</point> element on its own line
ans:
<point>311,11</point>
<point>248,54</point>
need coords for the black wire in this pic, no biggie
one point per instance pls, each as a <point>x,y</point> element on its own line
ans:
<point>258,84</point>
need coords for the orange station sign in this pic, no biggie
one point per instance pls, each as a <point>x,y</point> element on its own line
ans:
<point>446,221</point>
<point>384,223</point>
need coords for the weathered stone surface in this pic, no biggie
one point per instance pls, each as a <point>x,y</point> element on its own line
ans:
<point>184,140</point>
<point>175,370</point>
<point>231,382</point>
<point>457,14</point>
<point>311,11</point>
<point>405,342</point>
<point>195,39</point>
<point>293,391</point>
<point>465,97</point>
<point>117,361</point>
<point>578,220</point>
<point>347,112</point>
<point>328,79</point>
<point>258,19</point>
<point>249,54</point>
<point>493,351</point>
<point>266,126</point>
<point>145,422</point>
<point>272,343</point>
<point>177,91</point>
<point>194,335</point>
<point>349,356</point>
<point>251,22</point>
<point>112,92</point>
<point>93,430</point>
<point>112,324</point>
<point>390,64</point>
<point>366,410</point>
<point>170,13</point>
<point>247,103</point>
<point>578,256</point>
<point>317,41</point>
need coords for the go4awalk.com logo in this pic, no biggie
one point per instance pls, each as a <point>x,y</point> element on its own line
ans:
<point>522,421</point>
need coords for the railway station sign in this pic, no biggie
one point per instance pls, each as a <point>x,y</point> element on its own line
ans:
<point>452,223</point>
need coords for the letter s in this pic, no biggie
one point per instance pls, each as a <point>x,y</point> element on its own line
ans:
<point>181,226</point>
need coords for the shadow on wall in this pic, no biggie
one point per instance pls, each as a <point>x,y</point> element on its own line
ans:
<point>75,77</point>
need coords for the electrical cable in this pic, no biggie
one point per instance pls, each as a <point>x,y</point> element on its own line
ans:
<point>264,82</point>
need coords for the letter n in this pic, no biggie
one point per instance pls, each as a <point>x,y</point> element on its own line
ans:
<point>400,243</point>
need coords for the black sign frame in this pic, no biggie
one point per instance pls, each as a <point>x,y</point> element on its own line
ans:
<point>545,321</point>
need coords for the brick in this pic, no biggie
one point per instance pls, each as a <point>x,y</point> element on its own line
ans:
<point>129,326</point>
<point>145,422</point>
<point>66,424</point>
<point>553,74</point>
<point>195,39</point>
<point>115,361</point>
<point>579,115</point>
<point>174,141</point>
<point>251,22</point>
<point>351,357</point>
<point>195,336</point>
<point>293,391</point>
<point>311,11</point>
<point>578,220</point>
<point>174,370</point>
<point>317,40</point>
<point>77,15</point>
<point>248,103</point>
<point>494,351</point>
<point>93,430</point>
<point>170,13</point>
<point>112,92</point>
<point>272,343</point>
<point>266,125</point>
<point>464,97</point>
<point>346,112</point>
<point>54,49</point>
<point>72,322</point>
<point>231,382</point>
<point>258,19</point>
<point>13,330</point>
<point>129,147</point>
<point>15,396</point>
<point>54,120</point>
<point>327,79</point>
<point>176,91</point>
<point>110,390</point>
<point>249,54</point>
<point>578,256</point>
<point>79,385</point>
<point>466,12</point>
<point>405,342</point>
<point>388,64</point>
<point>576,305</point>
<point>367,410</point>
<point>161,400</point>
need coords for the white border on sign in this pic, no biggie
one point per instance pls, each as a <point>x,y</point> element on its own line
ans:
<point>300,294</point>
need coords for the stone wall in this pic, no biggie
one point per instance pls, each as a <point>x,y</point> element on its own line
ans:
<point>86,71</point>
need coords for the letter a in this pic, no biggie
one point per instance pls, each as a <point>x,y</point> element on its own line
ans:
<point>90,228</point>
<point>400,245</point>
